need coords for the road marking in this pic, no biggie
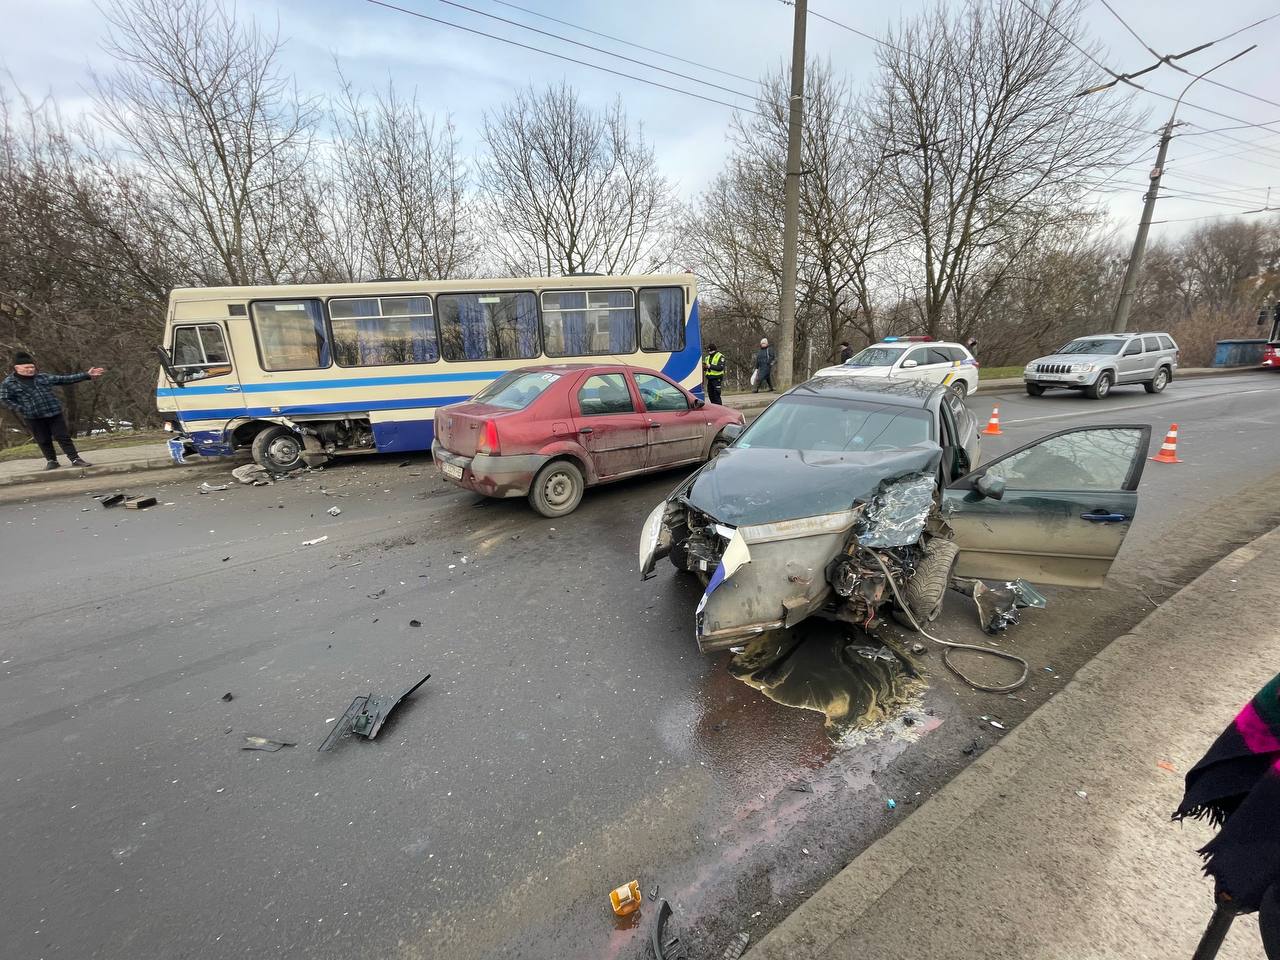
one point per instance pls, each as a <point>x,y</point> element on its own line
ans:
<point>1141,406</point>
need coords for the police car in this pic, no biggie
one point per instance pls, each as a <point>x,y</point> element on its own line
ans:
<point>913,358</point>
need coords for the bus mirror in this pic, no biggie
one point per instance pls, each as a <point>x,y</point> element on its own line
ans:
<point>173,375</point>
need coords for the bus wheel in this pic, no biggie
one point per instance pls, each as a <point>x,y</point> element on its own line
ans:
<point>557,489</point>
<point>278,449</point>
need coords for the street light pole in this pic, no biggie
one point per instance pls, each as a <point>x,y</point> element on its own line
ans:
<point>1120,320</point>
<point>786,339</point>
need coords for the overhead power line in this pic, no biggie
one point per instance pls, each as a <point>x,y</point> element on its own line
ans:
<point>629,43</point>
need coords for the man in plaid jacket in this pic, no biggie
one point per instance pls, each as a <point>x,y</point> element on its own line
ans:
<point>30,395</point>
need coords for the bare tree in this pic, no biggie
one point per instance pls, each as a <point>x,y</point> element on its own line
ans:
<point>987,145</point>
<point>569,190</point>
<point>401,189</point>
<point>214,131</point>
<point>735,238</point>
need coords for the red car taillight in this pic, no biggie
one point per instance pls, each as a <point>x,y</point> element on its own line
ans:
<point>488,442</point>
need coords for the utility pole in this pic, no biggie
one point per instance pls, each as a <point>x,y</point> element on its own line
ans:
<point>1121,319</point>
<point>791,214</point>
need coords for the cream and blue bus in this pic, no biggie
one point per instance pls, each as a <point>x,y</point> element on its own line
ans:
<point>297,373</point>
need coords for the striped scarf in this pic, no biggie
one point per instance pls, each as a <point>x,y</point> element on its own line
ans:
<point>1236,786</point>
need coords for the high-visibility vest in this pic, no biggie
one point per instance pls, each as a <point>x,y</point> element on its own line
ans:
<point>712,360</point>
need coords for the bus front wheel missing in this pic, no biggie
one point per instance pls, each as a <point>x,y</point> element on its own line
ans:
<point>278,449</point>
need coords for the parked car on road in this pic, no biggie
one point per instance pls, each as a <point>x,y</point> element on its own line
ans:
<point>547,432</point>
<point>913,358</point>
<point>1098,363</point>
<point>848,494</point>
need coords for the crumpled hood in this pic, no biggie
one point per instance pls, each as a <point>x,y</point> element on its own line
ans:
<point>759,485</point>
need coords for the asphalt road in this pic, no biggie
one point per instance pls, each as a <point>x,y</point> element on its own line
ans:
<point>570,738</point>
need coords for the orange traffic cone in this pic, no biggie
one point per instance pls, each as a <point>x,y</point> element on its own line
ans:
<point>1169,449</point>
<point>993,425</point>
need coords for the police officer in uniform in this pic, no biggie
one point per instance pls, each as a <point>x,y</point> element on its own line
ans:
<point>713,372</point>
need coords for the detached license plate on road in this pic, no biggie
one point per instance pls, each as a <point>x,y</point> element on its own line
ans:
<point>451,470</point>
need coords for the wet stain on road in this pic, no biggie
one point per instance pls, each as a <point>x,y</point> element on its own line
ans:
<point>852,678</point>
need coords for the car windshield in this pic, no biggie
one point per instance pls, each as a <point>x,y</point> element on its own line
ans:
<point>516,390</point>
<point>1093,345</point>
<point>875,357</point>
<point>808,423</point>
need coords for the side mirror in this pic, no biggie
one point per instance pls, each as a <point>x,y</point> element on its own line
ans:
<point>698,403</point>
<point>990,486</point>
<point>174,376</point>
<point>732,432</point>
<point>909,363</point>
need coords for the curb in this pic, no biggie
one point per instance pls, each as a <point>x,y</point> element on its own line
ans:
<point>127,466</point>
<point>831,917</point>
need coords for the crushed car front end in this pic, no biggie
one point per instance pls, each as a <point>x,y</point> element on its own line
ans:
<point>777,536</point>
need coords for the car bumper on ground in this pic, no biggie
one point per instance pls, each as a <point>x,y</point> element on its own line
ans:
<point>489,475</point>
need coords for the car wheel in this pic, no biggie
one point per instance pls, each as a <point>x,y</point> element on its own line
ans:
<point>717,446</point>
<point>557,489</point>
<point>1159,382</point>
<point>1035,390</point>
<point>959,389</point>
<point>278,449</point>
<point>1099,388</point>
<point>926,591</point>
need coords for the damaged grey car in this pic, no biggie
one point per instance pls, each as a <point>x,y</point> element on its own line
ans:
<point>846,495</point>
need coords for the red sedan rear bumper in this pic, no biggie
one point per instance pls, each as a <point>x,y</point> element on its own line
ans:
<point>489,475</point>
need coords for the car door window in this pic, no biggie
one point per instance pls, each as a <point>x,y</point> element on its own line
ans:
<point>1150,344</point>
<point>920,355</point>
<point>1091,458</point>
<point>940,355</point>
<point>1133,349</point>
<point>1167,342</point>
<point>659,394</point>
<point>605,393</point>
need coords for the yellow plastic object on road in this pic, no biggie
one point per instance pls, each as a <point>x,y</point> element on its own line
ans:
<point>626,899</point>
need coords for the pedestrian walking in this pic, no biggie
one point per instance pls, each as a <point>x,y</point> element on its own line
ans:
<point>29,393</point>
<point>846,351</point>
<point>764,366</point>
<point>713,372</point>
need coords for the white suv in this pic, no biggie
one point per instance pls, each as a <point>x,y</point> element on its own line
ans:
<point>913,358</point>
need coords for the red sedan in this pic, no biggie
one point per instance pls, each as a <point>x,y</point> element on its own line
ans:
<point>548,432</point>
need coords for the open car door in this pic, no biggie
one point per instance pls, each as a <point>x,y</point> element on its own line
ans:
<point>1054,511</point>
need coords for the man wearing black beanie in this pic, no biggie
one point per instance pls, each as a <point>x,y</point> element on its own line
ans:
<point>29,394</point>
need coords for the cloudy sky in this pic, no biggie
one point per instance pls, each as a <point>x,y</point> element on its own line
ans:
<point>50,47</point>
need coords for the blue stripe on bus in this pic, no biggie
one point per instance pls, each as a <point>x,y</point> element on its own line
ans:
<point>230,413</point>
<point>221,390</point>
<point>681,364</point>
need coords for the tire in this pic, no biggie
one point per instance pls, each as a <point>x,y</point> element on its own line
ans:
<point>960,388</point>
<point>1159,382</point>
<point>1035,390</point>
<point>1100,387</point>
<point>717,446</point>
<point>926,591</point>
<point>557,489</point>
<point>278,449</point>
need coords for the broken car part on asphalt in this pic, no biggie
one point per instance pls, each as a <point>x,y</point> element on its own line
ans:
<point>265,743</point>
<point>998,606</point>
<point>366,715</point>
<point>666,945</point>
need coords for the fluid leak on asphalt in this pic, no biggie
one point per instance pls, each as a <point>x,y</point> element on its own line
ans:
<point>850,677</point>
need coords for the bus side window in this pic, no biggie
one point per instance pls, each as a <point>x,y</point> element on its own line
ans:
<point>488,326</point>
<point>662,319</point>
<point>290,334</point>
<point>587,323</point>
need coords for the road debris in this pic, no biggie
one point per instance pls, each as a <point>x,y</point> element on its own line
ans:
<point>208,487</point>
<point>140,503</point>
<point>252,474</point>
<point>1166,766</point>
<point>252,742</point>
<point>998,606</point>
<point>366,715</point>
<point>312,543</point>
<point>415,623</point>
<point>800,787</point>
<point>1082,795</point>
<point>891,804</point>
<point>666,944</point>
<point>625,899</point>
<point>112,500</point>
<point>334,511</point>
<point>227,697</point>
<point>377,594</point>
<point>737,947</point>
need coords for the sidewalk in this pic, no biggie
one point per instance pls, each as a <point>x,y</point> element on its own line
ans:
<point>1007,861</point>
<point>147,456</point>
